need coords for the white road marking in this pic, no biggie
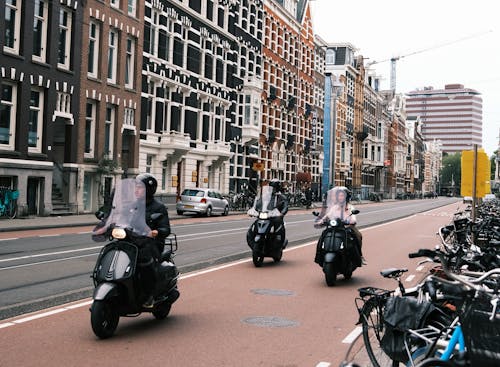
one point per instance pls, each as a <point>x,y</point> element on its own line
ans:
<point>323,364</point>
<point>49,235</point>
<point>45,262</point>
<point>410,278</point>
<point>9,239</point>
<point>420,268</point>
<point>353,335</point>
<point>50,254</point>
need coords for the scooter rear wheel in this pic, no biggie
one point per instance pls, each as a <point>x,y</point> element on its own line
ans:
<point>257,260</point>
<point>104,319</point>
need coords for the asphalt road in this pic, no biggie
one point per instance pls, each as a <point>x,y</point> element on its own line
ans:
<point>282,314</point>
<point>40,269</point>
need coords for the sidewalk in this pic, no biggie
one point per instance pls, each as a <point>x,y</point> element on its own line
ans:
<point>34,222</point>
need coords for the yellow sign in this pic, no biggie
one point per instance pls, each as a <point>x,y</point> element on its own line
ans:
<point>482,173</point>
<point>194,176</point>
<point>174,181</point>
<point>205,180</point>
<point>257,166</point>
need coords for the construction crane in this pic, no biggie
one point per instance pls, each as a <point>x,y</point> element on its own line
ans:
<point>396,58</point>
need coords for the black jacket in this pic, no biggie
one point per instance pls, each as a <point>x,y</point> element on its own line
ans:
<point>154,206</point>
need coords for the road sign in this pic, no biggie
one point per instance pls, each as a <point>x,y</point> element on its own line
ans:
<point>482,174</point>
<point>258,166</point>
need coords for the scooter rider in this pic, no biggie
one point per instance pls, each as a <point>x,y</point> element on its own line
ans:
<point>343,210</point>
<point>151,250</point>
<point>280,202</point>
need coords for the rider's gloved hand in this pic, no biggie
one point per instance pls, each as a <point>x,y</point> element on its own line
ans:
<point>252,212</point>
<point>275,213</point>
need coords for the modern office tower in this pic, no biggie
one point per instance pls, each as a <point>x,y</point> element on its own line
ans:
<point>452,115</point>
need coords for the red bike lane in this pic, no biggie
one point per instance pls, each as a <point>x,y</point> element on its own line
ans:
<point>282,314</point>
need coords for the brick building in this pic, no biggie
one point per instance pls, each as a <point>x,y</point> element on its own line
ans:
<point>109,97</point>
<point>289,85</point>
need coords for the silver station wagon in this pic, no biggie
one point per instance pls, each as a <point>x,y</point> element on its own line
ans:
<point>202,201</point>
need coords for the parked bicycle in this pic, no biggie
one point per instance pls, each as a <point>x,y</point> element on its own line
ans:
<point>8,202</point>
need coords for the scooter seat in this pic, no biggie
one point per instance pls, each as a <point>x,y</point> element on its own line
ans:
<point>393,272</point>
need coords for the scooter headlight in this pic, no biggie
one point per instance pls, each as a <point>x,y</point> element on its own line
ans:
<point>333,222</point>
<point>263,215</point>
<point>118,233</point>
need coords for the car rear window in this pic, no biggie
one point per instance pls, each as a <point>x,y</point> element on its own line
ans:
<point>191,192</point>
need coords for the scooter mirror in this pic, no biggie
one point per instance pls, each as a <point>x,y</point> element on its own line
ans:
<point>355,211</point>
<point>315,214</point>
<point>99,214</point>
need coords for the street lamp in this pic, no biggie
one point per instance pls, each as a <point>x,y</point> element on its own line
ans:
<point>336,90</point>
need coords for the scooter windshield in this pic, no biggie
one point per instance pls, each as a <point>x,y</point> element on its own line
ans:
<point>129,208</point>
<point>335,204</point>
<point>263,202</point>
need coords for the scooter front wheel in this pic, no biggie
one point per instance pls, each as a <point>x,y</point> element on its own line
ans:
<point>162,310</point>
<point>257,259</point>
<point>103,318</point>
<point>330,274</point>
<point>278,256</point>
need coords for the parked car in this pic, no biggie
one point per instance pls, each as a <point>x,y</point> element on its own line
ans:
<point>467,199</point>
<point>202,201</point>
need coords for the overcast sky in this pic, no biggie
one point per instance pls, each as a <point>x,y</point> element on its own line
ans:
<point>462,38</point>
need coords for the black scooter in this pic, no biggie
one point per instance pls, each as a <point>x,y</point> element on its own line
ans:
<point>117,282</point>
<point>338,250</point>
<point>261,238</point>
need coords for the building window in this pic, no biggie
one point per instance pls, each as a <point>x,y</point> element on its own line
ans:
<point>115,3</point>
<point>90,123</point>
<point>65,19</point>
<point>12,25</point>
<point>330,56</point>
<point>128,119</point>
<point>130,64</point>
<point>63,104</point>
<point>153,34</point>
<point>40,30</point>
<point>342,152</point>
<point>35,122</point>
<point>149,163</point>
<point>94,37</point>
<point>8,116</point>
<point>112,56</point>
<point>109,131</point>
<point>132,4</point>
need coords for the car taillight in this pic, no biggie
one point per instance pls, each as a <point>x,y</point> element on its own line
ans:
<point>203,201</point>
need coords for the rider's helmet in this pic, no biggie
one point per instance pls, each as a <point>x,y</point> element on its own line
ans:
<point>150,183</point>
<point>275,184</point>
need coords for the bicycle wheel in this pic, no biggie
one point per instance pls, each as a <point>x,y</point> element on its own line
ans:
<point>372,321</point>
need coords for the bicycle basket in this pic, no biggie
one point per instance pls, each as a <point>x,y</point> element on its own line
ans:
<point>482,336</point>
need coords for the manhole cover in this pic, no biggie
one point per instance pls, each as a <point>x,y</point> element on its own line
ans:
<point>270,321</point>
<point>273,292</point>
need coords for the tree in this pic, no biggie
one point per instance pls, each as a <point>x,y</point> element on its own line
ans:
<point>451,172</point>
<point>493,164</point>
